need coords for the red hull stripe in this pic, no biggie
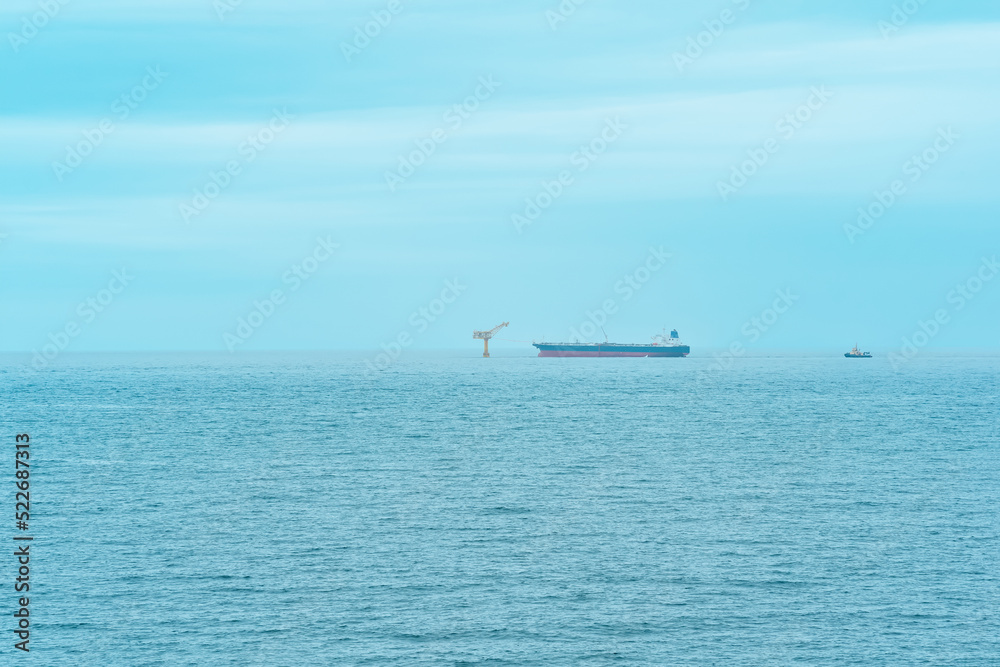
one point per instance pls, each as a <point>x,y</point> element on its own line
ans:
<point>569,353</point>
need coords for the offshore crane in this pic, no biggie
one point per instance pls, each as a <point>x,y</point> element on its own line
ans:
<point>486,335</point>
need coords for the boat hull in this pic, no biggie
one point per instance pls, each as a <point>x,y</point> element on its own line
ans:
<point>609,350</point>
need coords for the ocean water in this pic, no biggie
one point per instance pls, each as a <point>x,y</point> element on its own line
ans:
<point>295,509</point>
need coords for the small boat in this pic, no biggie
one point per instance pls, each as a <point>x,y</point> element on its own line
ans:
<point>858,354</point>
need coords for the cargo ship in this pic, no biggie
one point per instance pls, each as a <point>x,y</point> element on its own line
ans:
<point>662,346</point>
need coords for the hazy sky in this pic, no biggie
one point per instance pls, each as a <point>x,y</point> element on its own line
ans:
<point>612,119</point>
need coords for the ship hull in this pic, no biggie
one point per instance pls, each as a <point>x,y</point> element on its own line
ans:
<point>609,350</point>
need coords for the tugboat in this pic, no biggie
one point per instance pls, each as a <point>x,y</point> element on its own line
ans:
<point>858,354</point>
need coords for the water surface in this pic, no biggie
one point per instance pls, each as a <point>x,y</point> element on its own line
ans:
<point>294,509</point>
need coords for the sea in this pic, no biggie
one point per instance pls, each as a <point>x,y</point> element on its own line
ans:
<point>780,508</point>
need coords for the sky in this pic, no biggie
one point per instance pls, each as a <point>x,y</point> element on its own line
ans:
<point>261,175</point>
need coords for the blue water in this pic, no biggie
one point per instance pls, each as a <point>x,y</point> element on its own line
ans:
<point>295,510</point>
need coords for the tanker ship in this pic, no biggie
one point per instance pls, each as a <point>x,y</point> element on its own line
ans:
<point>662,346</point>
